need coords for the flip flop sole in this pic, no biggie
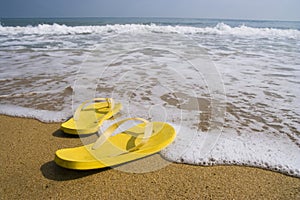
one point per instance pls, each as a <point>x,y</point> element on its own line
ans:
<point>115,150</point>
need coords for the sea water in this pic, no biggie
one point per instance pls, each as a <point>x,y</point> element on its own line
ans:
<point>229,87</point>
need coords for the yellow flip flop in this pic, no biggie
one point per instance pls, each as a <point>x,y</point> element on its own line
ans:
<point>139,141</point>
<point>90,115</point>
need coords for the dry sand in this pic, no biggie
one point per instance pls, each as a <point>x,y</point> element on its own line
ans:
<point>28,172</point>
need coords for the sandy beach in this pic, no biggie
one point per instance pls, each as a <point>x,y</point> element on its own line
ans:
<point>28,172</point>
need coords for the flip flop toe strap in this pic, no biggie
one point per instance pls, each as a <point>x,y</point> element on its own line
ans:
<point>109,101</point>
<point>110,130</point>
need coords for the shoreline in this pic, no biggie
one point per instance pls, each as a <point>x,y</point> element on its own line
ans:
<point>28,171</point>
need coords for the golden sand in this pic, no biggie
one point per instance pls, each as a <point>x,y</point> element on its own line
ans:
<point>28,172</point>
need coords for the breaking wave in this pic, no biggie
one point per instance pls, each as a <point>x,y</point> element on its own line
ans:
<point>219,29</point>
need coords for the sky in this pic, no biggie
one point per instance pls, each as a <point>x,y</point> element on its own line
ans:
<point>224,9</point>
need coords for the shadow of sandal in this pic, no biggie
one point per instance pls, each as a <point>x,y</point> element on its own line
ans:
<point>59,133</point>
<point>53,172</point>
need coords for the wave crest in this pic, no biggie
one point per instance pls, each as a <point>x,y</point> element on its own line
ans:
<point>219,29</point>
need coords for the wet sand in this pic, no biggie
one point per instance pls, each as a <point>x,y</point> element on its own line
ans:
<point>28,172</point>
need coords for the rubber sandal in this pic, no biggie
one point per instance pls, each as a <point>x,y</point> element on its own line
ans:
<point>90,115</point>
<point>139,141</point>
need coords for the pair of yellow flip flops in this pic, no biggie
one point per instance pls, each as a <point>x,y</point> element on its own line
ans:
<point>143,139</point>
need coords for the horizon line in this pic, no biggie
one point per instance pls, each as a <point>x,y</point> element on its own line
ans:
<point>74,17</point>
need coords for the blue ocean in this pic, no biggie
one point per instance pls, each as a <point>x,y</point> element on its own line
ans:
<point>230,87</point>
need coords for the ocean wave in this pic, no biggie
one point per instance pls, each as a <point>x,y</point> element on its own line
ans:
<point>219,29</point>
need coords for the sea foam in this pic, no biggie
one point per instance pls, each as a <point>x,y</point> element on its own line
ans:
<point>41,115</point>
<point>220,28</point>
